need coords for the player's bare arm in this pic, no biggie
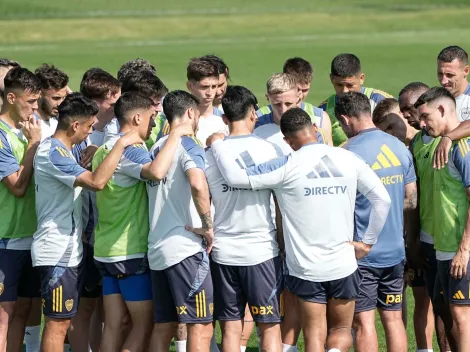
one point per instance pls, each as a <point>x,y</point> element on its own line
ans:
<point>458,268</point>
<point>411,196</point>
<point>326,127</point>
<point>441,155</point>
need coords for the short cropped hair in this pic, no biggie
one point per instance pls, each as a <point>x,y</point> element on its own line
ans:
<point>177,102</point>
<point>129,102</point>
<point>281,83</point>
<point>20,78</point>
<point>200,68</point>
<point>345,65</point>
<point>434,94</point>
<point>384,108</point>
<point>51,77</point>
<point>99,84</point>
<point>293,121</point>
<point>222,68</point>
<point>75,107</point>
<point>146,83</point>
<point>414,87</point>
<point>132,67</point>
<point>453,52</point>
<point>352,104</point>
<point>300,69</point>
<point>237,102</point>
<point>4,62</point>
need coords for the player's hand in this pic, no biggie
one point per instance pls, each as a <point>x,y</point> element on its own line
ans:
<point>360,248</point>
<point>87,155</point>
<point>441,155</point>
<point>184,129</point>
<point>206,234</point>
<point>131,137</point>
<point>32,130</point>
<point>212,138</point>
<point>458,268</point>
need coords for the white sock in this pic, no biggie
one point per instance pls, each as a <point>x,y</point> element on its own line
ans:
<point>32,337</point>
<point>67,347</point>
<point>214,347</point>
<point>334,350</point>
<point>424,350</point>
<point>242,348</point>
<point>289,348</point>
<point>180,346</point>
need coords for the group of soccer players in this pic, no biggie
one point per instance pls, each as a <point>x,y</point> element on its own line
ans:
<point>133,216</point>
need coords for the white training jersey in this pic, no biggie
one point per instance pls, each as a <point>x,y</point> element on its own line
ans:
<point>111,130</point>
<point>272,133</point>
<point>171,207</point>
<point>316,190</point>
<point>208,126</point>
<point>48,127</point>
<point>57,241</point>
<point>463,105</point>
<point>245,233</point>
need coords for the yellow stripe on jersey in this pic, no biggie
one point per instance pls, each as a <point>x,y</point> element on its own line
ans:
<point>381,92</point>
<point>463,147</point>
<point>393,159</point>
<point>383,160</point>
<point>1,144</point>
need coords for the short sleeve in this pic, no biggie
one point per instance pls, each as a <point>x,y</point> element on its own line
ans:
<point>461,159</point>
<point>193,156</point>
<point>133,159</point>
<point>63,166</point>
<point>410,174</point>
<point>8,162</point>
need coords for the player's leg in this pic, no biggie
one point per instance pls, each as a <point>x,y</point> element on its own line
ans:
<point>115,311</point>
<point>32,335</point>
<point>18,324</point>
<point>181,337</point>
<point>248,327</point>
<point>290,327</point>
<point>390,301</point>
<point>137,293</point>
<point>96,325</point>
<point>364,317</point>
<point>60,287</point>
<point>262,285</point>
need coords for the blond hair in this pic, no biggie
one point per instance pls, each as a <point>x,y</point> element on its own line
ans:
<point>281,83</point>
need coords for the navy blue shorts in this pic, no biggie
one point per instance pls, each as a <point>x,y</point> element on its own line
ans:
<point>381,288</point>
<point>18,277</point>
<point>346,288</point>
<point>60,290</point>
<point>454,291</point>
<point>184,292</point>
<point>92,278</point>
<point>416,275</point>
<point>258,285</point>
<point>430,272</point>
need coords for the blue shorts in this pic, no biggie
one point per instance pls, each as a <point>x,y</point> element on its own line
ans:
<point>133,288</point>
<point>455,291</point>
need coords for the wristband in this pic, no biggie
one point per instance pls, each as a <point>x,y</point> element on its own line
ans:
<point>447,137</point>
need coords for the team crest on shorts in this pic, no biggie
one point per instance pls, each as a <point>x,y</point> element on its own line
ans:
<point>2,288</point>
<point>69,304</point>
<point>211,308</point>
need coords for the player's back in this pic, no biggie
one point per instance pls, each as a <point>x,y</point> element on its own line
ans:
<point>171,207</point>
<point>243,224</point>
<point>392,162</point>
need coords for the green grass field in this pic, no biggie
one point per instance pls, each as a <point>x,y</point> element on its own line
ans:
<point>397,40</point>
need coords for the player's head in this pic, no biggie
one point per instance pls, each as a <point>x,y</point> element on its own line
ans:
<point>132,67</point>
<point>181,105</point>
<point>302,70</point>
<point>147,84</point>
<point>282,93</point>
<point>53,88</point>
<point>136,111</point>
<point>436,109</point>
<point>5,66</point>
<point>22,90</point>
<point>240,104</point>
<point>297,128</point>
<point>407,98</point>
<point>452,69</point>
<point>388,118</point>
<point>346,73</point>
<point>203,80</point>
<point>104,90</point>
<point>224,76</point>
<point>77,115</point>
<point>352,110</point>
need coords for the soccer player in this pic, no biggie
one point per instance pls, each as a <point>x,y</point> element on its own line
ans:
<point>5,66</point>
<point>224,76</point>
<point>347,76</point>
<point>20,134</point>
<point>121,234</point>
<point>439,116</point>
<point>53,92</point>
<point>245,261</point>
<point>57,245</point>
<point>131,67</point>
<point>406,99</point>
<point>302,70</point>
<point>316,187</point>
<point>179,262</point>
<point>283,94</point>
<point>383,269</point>
<point>385,117</point>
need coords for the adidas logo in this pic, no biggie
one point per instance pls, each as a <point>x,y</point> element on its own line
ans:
<point>385,159</point>
<point>325,169</point>
<point>426,156</point>
<point>459,295</point>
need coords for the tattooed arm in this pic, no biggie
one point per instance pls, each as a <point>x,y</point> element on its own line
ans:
<point>411,196</point>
